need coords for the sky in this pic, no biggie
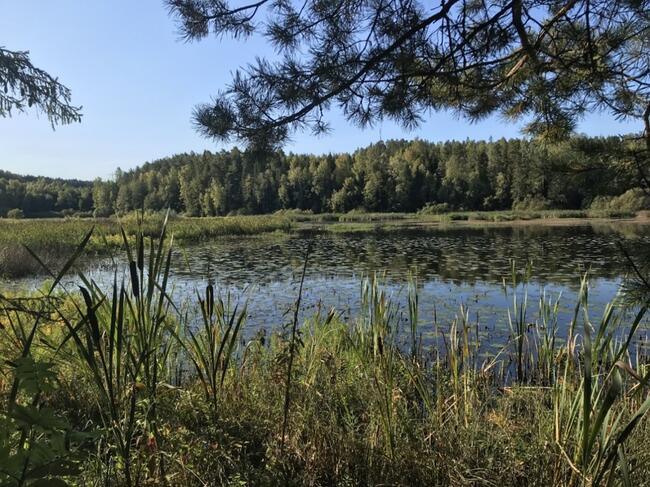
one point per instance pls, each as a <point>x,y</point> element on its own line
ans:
<point>138,82</point>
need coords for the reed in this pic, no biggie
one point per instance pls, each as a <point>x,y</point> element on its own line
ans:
<point>591,431</point>
<point>120,340</point>
<point>212,347</point>
<point>54,239</point>
<point>174,394</point>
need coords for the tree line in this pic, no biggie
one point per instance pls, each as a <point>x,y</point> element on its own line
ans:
<point>395,175</point>
<point>43,197</point>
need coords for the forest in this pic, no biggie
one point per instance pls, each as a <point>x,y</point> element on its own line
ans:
<point>396,175</point>
<point>43,197</point>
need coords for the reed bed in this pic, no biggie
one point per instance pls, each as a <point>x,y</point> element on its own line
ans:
<point>527,215</point>
<point>122,386</point>
<point>396,218</point>
<point>54,239</point>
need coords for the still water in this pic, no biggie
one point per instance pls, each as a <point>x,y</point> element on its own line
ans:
<point>454,266</point>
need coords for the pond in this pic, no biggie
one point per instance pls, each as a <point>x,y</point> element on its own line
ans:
<point>456,265</point>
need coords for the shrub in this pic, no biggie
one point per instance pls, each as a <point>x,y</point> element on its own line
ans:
<point>634,199</point>
<point>532,203</point>
<point>102,212</point>
<point>16,214</point>
<point>435,209</point>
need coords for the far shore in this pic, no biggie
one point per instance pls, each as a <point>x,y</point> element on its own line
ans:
<point>55,240</point>
<point>359,222</point>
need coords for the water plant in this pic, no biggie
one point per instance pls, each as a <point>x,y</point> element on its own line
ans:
<point>159,392</point>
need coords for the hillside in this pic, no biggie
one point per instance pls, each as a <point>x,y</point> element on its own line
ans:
<point>395,175</point>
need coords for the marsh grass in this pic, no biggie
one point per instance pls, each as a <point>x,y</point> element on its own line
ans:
<point>54,239</point>
<point>526,215</point>
<point>359,222</point>
<point>210,349</point>
<point>176,402</point>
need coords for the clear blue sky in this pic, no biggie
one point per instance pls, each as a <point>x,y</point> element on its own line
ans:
<point>138,83</point>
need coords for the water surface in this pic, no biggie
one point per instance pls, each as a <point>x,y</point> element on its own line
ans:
<point>454,266</point>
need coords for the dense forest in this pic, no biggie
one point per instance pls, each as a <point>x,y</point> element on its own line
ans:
<point>395,175</point>
<point>44,197</point>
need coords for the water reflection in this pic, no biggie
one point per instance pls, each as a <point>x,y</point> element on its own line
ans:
<point>462,256</point>
<point>456,265</point>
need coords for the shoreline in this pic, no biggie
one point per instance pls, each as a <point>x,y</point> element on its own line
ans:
<point>427,223</point>
<point>56,239</point>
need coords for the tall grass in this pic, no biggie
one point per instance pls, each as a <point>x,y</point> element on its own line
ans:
<point>170,400</point>
<point>54,239</point>
<point>524,215</point>
<point>121,341</point>
<point>212,346</point>
<point>517,317</point>
<point>590,430</point>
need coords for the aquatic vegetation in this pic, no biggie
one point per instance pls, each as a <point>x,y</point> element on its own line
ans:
<point>154,391</point>
<point>53,239</point>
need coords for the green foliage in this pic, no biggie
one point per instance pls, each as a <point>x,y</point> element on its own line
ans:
<point>167,402</point>
<point>531,204</point>
<point>434,209</point>
<point>16,214</point>
<point>634,199</point>
<point>39,196</point>
<point>35,441</point>
<point>24,86</point>
<point>391,176</point>
<point>546,63</point>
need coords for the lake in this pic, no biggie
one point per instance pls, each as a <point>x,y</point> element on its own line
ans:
<point>455,265</point>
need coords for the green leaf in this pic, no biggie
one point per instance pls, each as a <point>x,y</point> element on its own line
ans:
<point>44,418</point>
<point>34,377</point>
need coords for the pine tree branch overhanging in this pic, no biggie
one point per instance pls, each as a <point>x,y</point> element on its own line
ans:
<point>548,62</point>
<point>24,86</point>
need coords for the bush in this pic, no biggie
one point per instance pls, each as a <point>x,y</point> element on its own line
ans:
<point>102,212</point>
<point>600,203</point>
<point>16,214</point>
<point>634,199</point>
<point>532,203</point>
<point>435,209</point>
<point>570,214</point>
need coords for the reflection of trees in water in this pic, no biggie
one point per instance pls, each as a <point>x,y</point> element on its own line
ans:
<point>461,255</point>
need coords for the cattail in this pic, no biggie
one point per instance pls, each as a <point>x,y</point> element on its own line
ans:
<point>141,253</point>
<point>209,296</point>
<point>92,317</point>
<point>135,284</point>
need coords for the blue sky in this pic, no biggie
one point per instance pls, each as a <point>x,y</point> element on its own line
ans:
<point>138,83</point>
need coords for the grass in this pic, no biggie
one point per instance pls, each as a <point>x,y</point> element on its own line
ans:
<point>525,215</point>
<point>53,240</point>
<point>387,222</point>
<point>384,222</point>
<point>122,386</point>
